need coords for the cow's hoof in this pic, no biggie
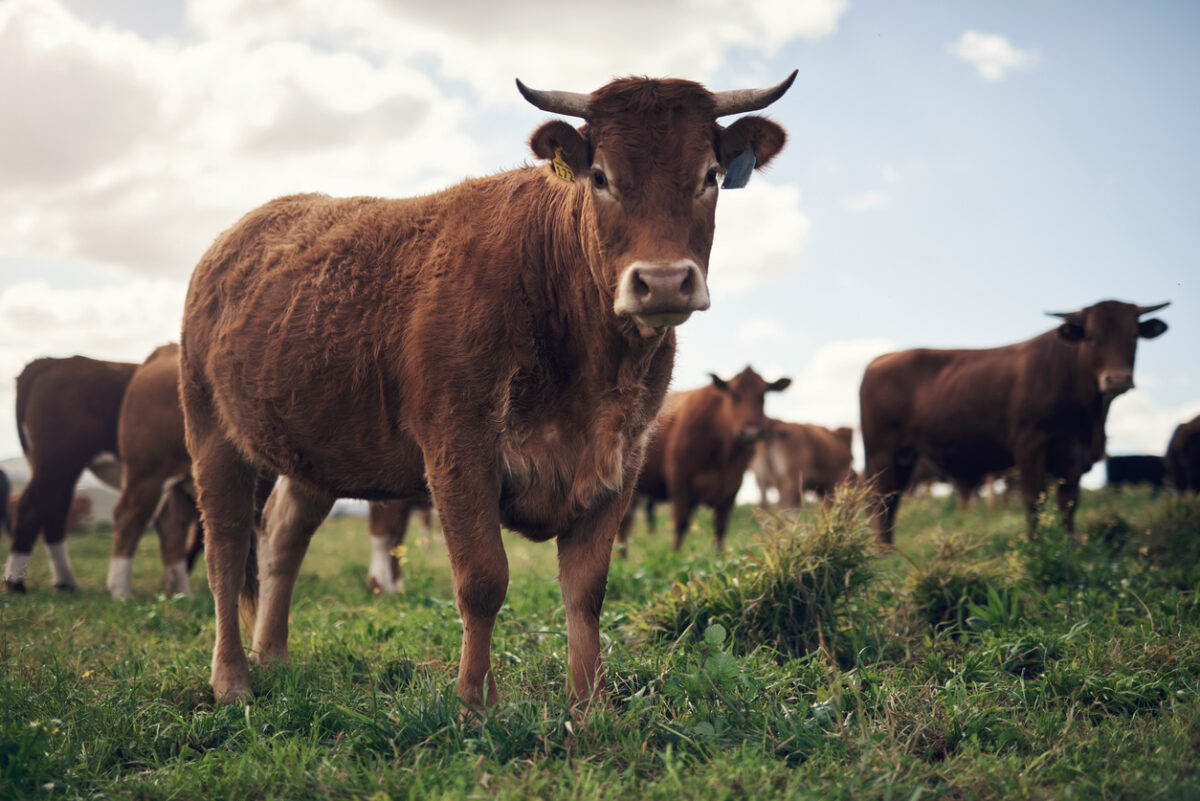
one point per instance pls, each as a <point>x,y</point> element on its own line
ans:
<point>66,587</point>
<point>16,587</point>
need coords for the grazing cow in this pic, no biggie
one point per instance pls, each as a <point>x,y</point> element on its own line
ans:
<point>1130,470</point>
<point>1183,456</point>
<point>1040,404</point>
<point>67,421</point>
<point>5,525</point>
<point>797,457</point>
<point>701,449</point>
<point>388,523</point>
<point>155,476</point>
<point>503,344</point>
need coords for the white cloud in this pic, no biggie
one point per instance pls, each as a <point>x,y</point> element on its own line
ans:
<point>1137,425</point>
<point>760,235</point>
<point>992,55</point>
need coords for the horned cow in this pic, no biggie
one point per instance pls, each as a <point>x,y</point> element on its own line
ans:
<point>1040,404</point>
<point>502,345</point>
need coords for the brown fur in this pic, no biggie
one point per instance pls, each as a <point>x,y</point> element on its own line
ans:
<point>798,457</point>
<point>701,449</point>
<point>1036,404</point>
<point>1183,456</point>
<point>463,343</point>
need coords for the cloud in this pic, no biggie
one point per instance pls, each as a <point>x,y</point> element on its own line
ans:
<point>760,235</point>
<point>992,55</point>
<point>1137,425</point>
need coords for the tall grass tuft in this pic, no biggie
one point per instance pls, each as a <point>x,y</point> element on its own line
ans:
<point>955,580</point>
<point>790,593</point>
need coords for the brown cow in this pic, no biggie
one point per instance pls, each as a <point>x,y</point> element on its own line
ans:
<point>795,458</point>
<point>503,344</point>
<point>701,449</point>
<point>156,471</point>
<point>388,523</point>
<point>1183,456</point>
<point>66,421</point>
<point>1040,404</point>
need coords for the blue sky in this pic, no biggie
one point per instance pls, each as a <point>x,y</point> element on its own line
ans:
<point>954,170</point>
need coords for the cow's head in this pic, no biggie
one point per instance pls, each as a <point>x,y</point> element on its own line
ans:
<point>1106,335</point>
<point>647,163</point>
<point>746,392</point>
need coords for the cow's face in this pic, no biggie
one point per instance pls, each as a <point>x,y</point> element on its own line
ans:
<point>1106,335</point>
<point>647,165</point>
<point>746,392</point>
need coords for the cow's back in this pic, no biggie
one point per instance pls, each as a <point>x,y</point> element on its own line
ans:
<point>150,431</point>
<point>67,409</point>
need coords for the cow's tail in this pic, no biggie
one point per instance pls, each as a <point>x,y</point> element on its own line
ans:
<point>25,382</point>
<point>248,600</point>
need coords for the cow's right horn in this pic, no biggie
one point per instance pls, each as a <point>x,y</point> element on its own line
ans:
<point>737,101</point>
<point>1147,309</point>
<point>572,104</point>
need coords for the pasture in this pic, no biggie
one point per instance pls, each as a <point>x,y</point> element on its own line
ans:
<point>949,669</point>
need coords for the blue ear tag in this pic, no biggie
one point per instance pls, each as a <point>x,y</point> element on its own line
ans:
<point>737,174</point>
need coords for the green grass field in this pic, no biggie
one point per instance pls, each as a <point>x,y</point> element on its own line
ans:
<point>801,666</point>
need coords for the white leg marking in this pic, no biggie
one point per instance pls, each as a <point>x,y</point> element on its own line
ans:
<point>381,566</point>
<point>175,580</point>
<point>17,567</point>
<point>120,578</point>
<point>60,566</point>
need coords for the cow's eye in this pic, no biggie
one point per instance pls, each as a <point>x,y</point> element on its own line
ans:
<point>710,179</point>
<point>599,180</point>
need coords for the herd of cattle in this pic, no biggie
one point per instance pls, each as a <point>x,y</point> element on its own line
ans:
<point>502,350</point>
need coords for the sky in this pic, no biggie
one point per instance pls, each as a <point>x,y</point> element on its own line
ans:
<point>953,170</point>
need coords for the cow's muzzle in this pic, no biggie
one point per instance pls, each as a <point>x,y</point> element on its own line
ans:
<point>1114,382</point>
<point>660,294</point>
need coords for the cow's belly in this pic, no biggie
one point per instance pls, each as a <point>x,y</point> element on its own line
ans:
<point>969,458</point>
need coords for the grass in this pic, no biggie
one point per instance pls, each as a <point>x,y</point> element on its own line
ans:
<point>947,669</point>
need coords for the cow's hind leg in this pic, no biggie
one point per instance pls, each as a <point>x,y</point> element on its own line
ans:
<point>292,514</point>
<point>53,501</point>
<point>226,494</point>
<point>721,516</point>
<point>139,497</point>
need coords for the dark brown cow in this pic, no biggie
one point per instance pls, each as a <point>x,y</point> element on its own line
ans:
<point>795,458</point>
<point>388,523</point>
<point>701,449</point>
<point>5,526</point>
<point>156,472</point>
<point>503,344</point>
<point>67,421</point>
<point>1040,404</point>
<point>1183,456</point>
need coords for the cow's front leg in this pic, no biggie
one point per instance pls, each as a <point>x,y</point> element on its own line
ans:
<point>583,559</point>
<point>466,492</point>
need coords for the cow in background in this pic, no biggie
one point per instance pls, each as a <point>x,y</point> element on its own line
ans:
<point>67,422</point>
<point>701,448</point>
<point>155,476</point>
<point>1131,470</point>
<point>388,523</point>
<point>1183,456</point>
<point>794,458</point>
<point>1040,404</point>
<point>503,344</point>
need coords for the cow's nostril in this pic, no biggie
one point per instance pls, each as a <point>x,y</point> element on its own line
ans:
<point>688,286</point>
<point>640,288</point>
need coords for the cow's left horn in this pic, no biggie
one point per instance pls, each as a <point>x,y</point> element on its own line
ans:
<point>1147,309</point>
<point>573,104</point>
<point>740,100</point>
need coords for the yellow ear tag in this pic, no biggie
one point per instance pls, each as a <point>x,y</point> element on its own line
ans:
<point>560,167</point>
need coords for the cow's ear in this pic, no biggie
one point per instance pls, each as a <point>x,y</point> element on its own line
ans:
<point>763,138</point>
<point>1071,332</point>
<point>779,385</point>
<point>559,142</point>
<point>719,383</point>
<point>1149,329</point>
